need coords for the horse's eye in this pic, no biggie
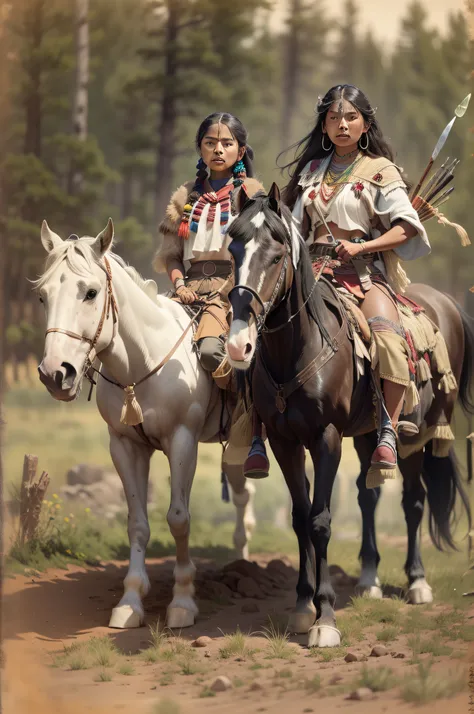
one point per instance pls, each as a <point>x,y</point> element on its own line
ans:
<point>41,299</point>
<point>91,294</point>
<point>277,259</point>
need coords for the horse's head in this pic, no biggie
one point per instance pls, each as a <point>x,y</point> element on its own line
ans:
<point>76,292</point>
<point>265,249</point>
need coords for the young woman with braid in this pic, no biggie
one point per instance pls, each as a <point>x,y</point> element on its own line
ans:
<point>193,249</point>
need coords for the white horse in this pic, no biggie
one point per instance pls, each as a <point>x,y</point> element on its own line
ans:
<point>97,307</point>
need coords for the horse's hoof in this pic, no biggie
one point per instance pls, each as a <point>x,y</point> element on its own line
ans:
<point>373,592</point>
<point>178,617</point>
<point>124,617</point>
<point>324,636</point>
<point>419,593</point>
<point>299,623</point>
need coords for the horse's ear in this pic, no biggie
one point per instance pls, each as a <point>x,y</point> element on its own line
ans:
<point>274,196</point>
<point>243,198</point>
<point>104,239</point>
<point>49,239</point>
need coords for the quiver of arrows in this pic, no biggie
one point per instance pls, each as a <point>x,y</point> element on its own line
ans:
<point>434,193</point>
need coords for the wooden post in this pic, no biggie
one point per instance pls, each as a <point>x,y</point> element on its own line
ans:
<point>31,497</point>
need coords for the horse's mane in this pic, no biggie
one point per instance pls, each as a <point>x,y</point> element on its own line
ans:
<point>243,230</point>
<point>80,258</point>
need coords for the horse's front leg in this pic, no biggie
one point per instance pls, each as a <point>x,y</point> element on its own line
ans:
<point>369,583</point>
<point>243,494</point>
<point>291,459</point>
<point>326,455</point>
<point>132,462</point>
<point>182,456</point>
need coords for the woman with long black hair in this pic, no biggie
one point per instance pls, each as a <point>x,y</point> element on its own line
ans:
<point>355,215</point>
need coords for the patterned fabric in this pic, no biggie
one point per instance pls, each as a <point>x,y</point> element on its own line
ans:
<point>221,197</point>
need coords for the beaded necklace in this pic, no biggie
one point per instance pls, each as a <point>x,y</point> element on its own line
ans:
<point>336,177</point>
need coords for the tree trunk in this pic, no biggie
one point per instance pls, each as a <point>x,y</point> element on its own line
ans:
<point>291,69</point>
<point>33,17</point>
<point>168,115</point>
<point>81,98</point>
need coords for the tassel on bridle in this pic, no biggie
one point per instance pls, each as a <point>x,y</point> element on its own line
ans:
<point>131,411</point>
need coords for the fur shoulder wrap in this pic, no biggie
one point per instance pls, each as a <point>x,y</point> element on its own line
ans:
<point>171,246</point>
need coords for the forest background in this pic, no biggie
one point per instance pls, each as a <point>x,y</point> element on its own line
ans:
<point>100,101</point>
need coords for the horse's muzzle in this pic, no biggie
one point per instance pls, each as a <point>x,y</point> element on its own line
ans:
<point>60,382</point>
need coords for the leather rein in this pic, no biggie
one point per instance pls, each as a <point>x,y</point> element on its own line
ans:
<point>110,303</point>
<point>283,391</point>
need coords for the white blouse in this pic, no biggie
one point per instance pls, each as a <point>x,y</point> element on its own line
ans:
<point>351,213</point>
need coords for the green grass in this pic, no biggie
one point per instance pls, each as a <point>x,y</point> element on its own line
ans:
<point>188,665</point>
<point>94,652</point>
<point>427,686</point>
<point>158,635</point>
<point>371,612</point>
<point>312,685</point>
<point>283,674</point>
<point>328,654</point>
<point>206,692</point>
<point>352,629</point>
<point>378,679</point>
<point>102,651</point>
<point>126,669</point>
<point>430,646</point>
<point>77,662</point>
<point>278,646</point>
<point>235,645</point>
<point>103,676</point>
<point>166,679</point>
<point>167,706</point>
<point>151,655</point>
<point>388,634</point>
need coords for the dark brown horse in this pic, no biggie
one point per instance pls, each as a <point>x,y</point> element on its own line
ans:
<point>305,390</point>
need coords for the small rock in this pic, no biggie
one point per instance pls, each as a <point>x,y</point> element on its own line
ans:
<point>239,659</point>
<point>221,684</point>
<point>203,641</point>
<point>379,651</point>
<point>398,655</point>
<point>207,654</point>
<point>362,694</point>
<point>351,657</point>
<point>250,607</point>
<point>335,679</point>
<point>249,588</point>
<point>255,687</point>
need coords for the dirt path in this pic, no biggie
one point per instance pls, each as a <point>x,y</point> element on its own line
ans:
<point>44,612</point>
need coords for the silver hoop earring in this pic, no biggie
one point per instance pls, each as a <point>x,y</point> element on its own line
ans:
<point>322,144</point>
<point>364,148</point>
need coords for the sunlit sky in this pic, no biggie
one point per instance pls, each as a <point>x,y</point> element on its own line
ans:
<point>383,17</point>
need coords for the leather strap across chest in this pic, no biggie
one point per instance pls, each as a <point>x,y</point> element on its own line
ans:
<point>283,391</point>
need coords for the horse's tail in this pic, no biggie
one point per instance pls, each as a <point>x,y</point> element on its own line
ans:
<point>466,382</point>
<point>443,489</point>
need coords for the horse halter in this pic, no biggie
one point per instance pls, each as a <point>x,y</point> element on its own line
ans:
<point>109,304</point>
<point>266,306</point>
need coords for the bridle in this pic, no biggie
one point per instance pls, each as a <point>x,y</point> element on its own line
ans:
<point>109,304</point>
<point>260,317</point>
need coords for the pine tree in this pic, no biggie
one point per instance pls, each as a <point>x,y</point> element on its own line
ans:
<point>304,64</point>
<point>195,56</point>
